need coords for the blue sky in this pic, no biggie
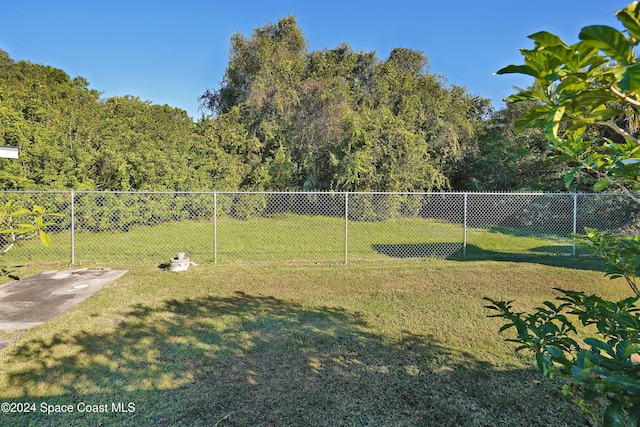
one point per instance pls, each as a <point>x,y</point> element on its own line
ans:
<point>169,52</point>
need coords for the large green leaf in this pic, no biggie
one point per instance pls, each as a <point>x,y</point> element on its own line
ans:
<point>553,124</point>
<point>601,345</point>
<point>44,238</point>
<point>19,212</point>
<point>579,373</point>
<point>545,365</point>
<point>564,54</point>
<point>568,178</point>
<point>518,69</point>
<point>26,228</point>
<point>595,97</point>
<point>546,39</point>
<point>601,184</point>
<point>532,118</point>
<point>630,384</point>
<point>572,84</point>
<point>542,62</point>
<point>529,95</point>
<point>600,116</point>
<point>630,79</point>
<point>614,416</point>
<point>21,230</point>
<point>630,17</point>
<point>609,40</point>
<point>555,352</point>
<point>588,55</point>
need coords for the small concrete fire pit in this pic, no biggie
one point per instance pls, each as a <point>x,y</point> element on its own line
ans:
<point>181,263</point>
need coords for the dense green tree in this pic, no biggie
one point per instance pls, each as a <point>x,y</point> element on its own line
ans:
<point>260,92</point>
<point>337,119</point>
<point>142,146</point>
<point>498,159</point>
<point>69,137</point>
<point>41,107</point>
<point>318,126</point>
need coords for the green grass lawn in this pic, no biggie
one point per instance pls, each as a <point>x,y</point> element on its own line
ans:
<point>286,343</point>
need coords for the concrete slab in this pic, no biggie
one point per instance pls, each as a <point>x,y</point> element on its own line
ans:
<point>33,300</point>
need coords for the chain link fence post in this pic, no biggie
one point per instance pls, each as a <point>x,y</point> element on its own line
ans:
<point>215,227</point>
<point>73,229</point>
<point>575,222</point>
<point>346,226</point>
<point>464,220</point>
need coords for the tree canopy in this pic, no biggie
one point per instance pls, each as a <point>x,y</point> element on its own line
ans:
<point>70,137</point>
<point>282,118</point>
<point>336,119</point>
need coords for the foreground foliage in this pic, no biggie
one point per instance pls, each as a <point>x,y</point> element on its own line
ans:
<point>601,368</point>
<point>588,96</point>
<point>22,224</point>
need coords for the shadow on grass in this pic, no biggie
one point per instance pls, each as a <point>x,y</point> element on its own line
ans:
<point>420,250</point>
<point>267,361</point>
<point>540,231</point>
<point>555,256</point>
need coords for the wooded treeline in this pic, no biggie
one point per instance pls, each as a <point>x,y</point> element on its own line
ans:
<point>283,118</point>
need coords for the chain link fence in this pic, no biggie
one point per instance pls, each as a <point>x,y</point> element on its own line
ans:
<point>115,227</point>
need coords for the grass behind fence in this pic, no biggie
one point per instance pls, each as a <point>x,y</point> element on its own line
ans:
<point>293,238</point>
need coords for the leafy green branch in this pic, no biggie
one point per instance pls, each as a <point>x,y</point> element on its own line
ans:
<point>16,231</point>
<point>593,82</point>
<point>603,368</point>
<point>17,225</point>
<point>620,254</point>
